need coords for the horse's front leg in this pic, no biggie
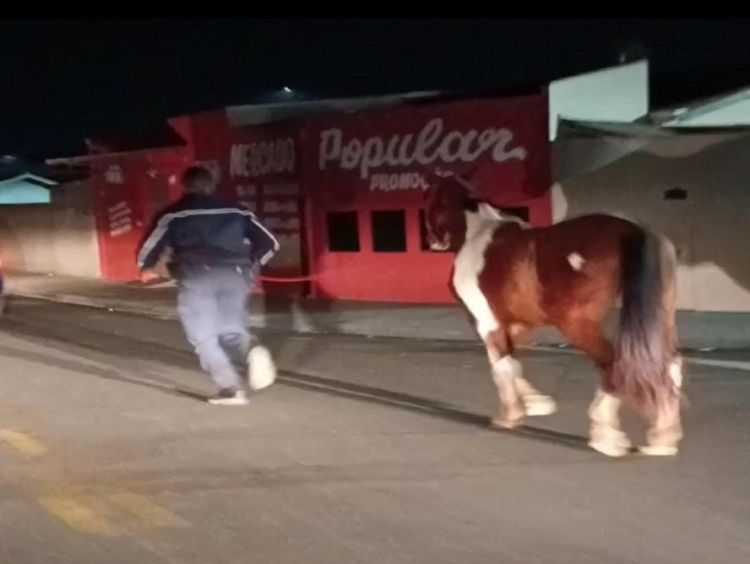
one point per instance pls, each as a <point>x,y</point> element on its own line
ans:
<point>535,403</point>
<point>505,371</point>
<point>516,397</point>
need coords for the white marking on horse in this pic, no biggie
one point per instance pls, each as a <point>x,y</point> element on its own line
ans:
<point>576,261</point>
<point>505,371</point>
<point>489,213</point>
<point>606,436</point>
<point>468,265</point>
<point>675,372</point>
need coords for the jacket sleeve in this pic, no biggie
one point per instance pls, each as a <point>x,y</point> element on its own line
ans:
<point>154,241</point>
<point>263,245</point>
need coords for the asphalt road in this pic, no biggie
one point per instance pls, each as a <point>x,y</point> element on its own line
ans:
<point>365,451</point>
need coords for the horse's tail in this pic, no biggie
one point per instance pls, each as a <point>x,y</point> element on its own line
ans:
<point>645,341</point>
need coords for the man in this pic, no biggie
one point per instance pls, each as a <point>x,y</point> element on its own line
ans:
<point>217,247</point>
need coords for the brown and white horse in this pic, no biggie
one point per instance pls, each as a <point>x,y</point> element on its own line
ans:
<point>512,278</point>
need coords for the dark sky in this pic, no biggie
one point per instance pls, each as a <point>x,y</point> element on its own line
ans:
<point>72,78</point>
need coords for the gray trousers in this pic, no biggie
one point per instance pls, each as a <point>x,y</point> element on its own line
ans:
<point>212,306</point>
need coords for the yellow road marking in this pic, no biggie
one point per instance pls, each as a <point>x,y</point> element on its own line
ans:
<point>78,515</point>
<point>23,443</point>
<point>145,511</point>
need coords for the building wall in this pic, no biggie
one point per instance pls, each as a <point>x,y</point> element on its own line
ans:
<point>711,228</point>
<point>55,238</point>
<point>612,94</point>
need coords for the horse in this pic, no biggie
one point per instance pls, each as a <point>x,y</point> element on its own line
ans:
<point>512,278</point>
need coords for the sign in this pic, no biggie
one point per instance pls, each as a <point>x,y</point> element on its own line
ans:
<point>432,145</point>
<point>385,153</point>
<point>263,158</point>
<point>262,171</point>
<point>113,175</point>
<point>120,218</point>
<point>263,174</point>
<point>119,208</point>
<point>366,175</point>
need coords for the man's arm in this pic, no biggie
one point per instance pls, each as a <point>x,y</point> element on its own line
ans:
<point>154,242</point>
<point>262,242</point>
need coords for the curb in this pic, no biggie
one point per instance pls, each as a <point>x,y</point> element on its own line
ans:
<point>71,299</point>
<point>730,333</point>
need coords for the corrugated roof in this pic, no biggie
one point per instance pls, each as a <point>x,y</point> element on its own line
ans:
<point>589,128</point>
<point>255,114</point>
<point>584,128</point>
<point>685,112</point>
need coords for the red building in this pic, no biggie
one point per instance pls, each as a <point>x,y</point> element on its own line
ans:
<point>344,192</point>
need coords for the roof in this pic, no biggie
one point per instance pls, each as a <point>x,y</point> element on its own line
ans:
<point>13,168</point>
<point>28,178</point>
<point>25,188</point>
<point>640,128</point>
<point>682,113</point>
<point>254,114</point>
<point>590,128</point>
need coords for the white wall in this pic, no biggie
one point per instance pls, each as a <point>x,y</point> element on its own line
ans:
<point>711,229</point>
<point>612,94</point>
<point>59,237</point>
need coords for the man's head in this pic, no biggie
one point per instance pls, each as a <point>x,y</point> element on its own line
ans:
<point>198,180</point>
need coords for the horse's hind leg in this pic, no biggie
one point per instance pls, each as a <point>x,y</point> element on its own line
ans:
<point>665,431</point>
<point>605,434</point>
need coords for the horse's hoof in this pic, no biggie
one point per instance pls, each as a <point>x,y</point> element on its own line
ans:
<point>539,405</point>
<point>658,450</point>
<point>610,448</point>
<point>504,423</point>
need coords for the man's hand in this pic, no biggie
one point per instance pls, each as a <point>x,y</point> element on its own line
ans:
<point>147,275</point>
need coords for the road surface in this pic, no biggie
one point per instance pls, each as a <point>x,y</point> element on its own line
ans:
<point>366,451</point>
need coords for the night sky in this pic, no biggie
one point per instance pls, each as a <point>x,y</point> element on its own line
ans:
<point>68,79</point>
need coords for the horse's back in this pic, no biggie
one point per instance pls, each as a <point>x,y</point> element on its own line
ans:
<point>594,235</point>
<point>542,275</point>
<point>578,261</point>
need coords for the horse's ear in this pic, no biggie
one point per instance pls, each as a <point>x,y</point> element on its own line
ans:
<point>471,190</point>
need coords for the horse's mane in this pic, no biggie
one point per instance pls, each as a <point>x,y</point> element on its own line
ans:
<point>488,212</point>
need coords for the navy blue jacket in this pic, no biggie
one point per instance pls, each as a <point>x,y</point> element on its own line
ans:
<point>207,230</point>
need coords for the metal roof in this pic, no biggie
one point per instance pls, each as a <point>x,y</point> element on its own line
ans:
<point>684,112</point>
<point>255,114</point>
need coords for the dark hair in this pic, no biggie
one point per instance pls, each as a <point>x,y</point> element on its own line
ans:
<point>198,179</point>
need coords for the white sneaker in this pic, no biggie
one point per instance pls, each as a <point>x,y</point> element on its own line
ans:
<point>229,397</point>
<point>261,370</point>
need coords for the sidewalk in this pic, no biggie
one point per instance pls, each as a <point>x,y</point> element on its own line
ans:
<point>444,322</point>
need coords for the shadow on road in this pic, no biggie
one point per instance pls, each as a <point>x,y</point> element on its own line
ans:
<point>117,353</point>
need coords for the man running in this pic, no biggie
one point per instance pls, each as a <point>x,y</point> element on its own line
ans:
<point>217,248</point>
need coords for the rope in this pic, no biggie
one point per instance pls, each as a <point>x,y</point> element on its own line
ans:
<point>311,277</point>
<point>287,280</point>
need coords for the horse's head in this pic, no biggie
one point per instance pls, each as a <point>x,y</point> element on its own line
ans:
<point>445,221</point>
